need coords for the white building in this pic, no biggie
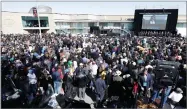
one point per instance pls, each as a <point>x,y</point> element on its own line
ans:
<point>15,22</point>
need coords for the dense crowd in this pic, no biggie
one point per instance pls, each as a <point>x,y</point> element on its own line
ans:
<point>110,67</point>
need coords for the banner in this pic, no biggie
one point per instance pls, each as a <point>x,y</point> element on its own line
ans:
<point>35,14</point>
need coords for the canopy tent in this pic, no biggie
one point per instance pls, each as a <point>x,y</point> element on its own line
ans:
<point>182,31</point>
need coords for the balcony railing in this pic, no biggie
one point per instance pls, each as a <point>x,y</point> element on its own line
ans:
<point>111,27</point>
<point>68,27</point>
<point>30,28</point>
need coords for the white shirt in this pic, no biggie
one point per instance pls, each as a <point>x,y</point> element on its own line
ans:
<point>3,49</point>
<point>124,60</point>
<point>79,50</point>
<point>145,77</point>
<point>75,64</point>
<point>30,48</point>
<point>176,97</point>
<point>145,40</point>
<point>32,78</point>
<point>59,49</point>
<point>94,69</point>
<point>84,44</point>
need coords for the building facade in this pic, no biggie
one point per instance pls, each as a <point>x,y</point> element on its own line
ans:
<point>25,23</point>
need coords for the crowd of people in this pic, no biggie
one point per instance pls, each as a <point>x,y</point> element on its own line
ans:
<point>109,67</point>
<point>159,33</point>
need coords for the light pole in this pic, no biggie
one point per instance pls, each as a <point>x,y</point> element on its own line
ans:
<point>39,21</point>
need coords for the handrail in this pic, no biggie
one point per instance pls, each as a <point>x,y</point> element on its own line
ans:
<point>127,31</point>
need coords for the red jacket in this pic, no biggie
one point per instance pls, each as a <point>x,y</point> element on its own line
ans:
<point>61,74</point>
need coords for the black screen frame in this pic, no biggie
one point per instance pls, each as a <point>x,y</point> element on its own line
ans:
<point>170,24</point>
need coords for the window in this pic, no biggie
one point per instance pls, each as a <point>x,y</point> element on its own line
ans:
<point>180,25</point>
<point>117,24</point>
<point>91,24</point>
<point>104,24</point>
<point>29,21</point>
<point>79,31</point>
<point>73,24</point>
<point>127,25</point>
<point>80,25</point>
<point>85,24</point>
<point>66,23</point>
<point>184,25</point>
<point>110,24</point>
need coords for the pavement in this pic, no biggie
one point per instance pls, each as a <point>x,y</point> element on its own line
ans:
<point>167,106</point>
<point>89,98</point>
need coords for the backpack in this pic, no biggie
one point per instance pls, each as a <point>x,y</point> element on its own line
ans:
<point>166,81</point>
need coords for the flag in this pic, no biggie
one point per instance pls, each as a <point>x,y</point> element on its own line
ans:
<point>35,14</point>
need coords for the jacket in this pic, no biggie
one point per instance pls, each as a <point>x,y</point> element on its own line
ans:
<point>145,83</point>
<point>100,86</point>
<point>56,76</point>
<point>81,80</point>
<point>68,79</point>
<point>108,78</point>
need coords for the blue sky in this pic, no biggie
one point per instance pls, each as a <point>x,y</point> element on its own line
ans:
<point>98,8</point>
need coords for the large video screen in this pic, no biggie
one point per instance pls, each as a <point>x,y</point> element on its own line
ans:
<point>154,21</point>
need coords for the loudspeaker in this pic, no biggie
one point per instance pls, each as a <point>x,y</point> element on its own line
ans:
<point>61,99</point>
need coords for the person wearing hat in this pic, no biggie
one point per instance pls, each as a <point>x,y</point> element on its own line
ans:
<point>175,97</point>
<point>117,76</point>
<point>116,88</point>
<point>70,66</point>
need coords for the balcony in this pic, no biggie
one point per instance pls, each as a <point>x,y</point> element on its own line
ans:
<point>30,23</point>
<point>68,27</point>
<point>111,27</point>
<point>35,28</point>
